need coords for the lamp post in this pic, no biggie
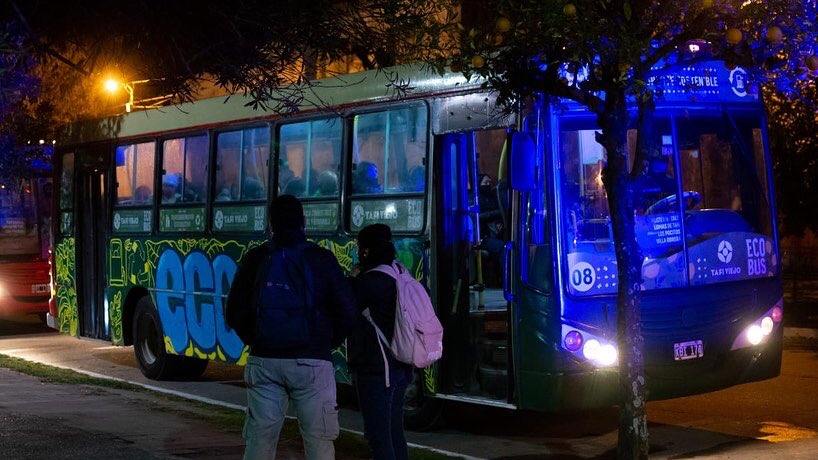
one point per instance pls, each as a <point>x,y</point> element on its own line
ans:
<point>113,85</point>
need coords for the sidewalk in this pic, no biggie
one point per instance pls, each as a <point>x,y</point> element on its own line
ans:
<point>47,420</point>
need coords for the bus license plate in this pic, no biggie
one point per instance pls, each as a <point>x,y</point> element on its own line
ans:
<point>40,288</point>
<point>688,350</point>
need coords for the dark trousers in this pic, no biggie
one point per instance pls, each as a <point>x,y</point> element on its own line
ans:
<point>382,410</point>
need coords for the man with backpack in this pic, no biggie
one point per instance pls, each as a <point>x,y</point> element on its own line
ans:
<point>291,304</point>
<point>400,333</point>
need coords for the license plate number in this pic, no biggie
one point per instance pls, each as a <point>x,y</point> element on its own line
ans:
<point>40,288</point>
<point>688,350</point>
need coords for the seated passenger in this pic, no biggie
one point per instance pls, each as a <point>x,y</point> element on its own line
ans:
<point>366,179</point>
<point>253,189</point>
<point>295,187</point>
<point>327,184</point>
<point>171,188</point>
<point>416,182</point>
<point>142,195</point>
<point>227,193</point>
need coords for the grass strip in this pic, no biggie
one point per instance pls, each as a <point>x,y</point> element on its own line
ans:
<point>223,418</point>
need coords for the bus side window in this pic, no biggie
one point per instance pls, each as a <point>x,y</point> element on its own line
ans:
<point>184,164</point>
<point>242,167</point>
<point>389,153</point>
<point>134,174</point>
<point>310,158</point>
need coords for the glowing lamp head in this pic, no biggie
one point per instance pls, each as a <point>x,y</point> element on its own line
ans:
<point>755,334</point>
<point>112,85</point>
<point>767,325</point>
<point>573,340</point>
<point>591,349</point>
<point>607,355</point>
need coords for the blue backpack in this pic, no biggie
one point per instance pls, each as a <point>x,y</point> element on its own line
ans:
<point>285,314</point>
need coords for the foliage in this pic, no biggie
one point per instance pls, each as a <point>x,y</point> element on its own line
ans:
<point>793,120</point>
<point>55,54</point>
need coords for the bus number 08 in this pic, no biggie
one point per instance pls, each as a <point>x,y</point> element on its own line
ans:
<point>583,276</point>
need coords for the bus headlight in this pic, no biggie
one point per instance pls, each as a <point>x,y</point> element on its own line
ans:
<point>754,334</point>
<point>758,331</point>
<point>588,347</point>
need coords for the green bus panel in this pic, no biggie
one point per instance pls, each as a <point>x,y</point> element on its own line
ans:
<point>239,218</point>
<point>132,220</point>
<point>321,217</point>
<point>182,220</point>
<point>401,214</point>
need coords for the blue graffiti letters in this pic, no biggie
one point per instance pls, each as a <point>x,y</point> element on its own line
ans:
<point>190,298</point>
<point>200,316</point>
<point>170,299</point>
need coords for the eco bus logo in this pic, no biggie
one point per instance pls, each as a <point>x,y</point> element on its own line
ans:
<point>725,251</point>
<point>218,219</point>
<point>738,81</point>
<point>358,215</point>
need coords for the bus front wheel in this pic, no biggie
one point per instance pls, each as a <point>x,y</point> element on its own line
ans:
<point>149,348</point>
<point>421,412</point>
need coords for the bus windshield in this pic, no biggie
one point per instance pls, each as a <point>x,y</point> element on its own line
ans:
<point>716,164</point>
<point>19,232</point>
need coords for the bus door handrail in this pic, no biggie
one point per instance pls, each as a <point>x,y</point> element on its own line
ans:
<point>508,248</point>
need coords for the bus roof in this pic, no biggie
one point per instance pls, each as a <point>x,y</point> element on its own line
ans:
<point>340,91</point>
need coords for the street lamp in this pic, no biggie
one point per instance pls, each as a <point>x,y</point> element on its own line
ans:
<point>112,85</point>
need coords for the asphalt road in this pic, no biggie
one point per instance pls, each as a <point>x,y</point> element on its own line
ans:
<point>758,420</point>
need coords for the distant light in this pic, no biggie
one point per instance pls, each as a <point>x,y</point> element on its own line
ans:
<point>591,349</point>
<point>42,141</point>
<point>112,85</point>
<point>694,48</point>
<point>767,325</point>
<point>573,340</point>
<point>755,334</point>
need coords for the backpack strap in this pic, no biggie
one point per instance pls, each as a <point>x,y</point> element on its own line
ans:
<point>381,341</point>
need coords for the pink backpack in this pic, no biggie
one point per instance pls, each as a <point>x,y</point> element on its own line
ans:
<point>418,335</point>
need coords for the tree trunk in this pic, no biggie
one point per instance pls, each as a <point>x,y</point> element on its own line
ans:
<point>633,429</point>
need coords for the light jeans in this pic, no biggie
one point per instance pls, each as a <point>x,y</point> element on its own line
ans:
<point>271,385</point>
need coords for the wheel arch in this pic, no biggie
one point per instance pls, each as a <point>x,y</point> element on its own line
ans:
<point>135,294</point>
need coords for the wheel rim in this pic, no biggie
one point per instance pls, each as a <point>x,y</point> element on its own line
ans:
<point>148,339</point>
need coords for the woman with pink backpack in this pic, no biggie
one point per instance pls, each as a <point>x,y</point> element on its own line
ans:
<point>397,332</point>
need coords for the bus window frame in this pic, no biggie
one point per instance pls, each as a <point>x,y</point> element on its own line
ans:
<point>343,118</point>
<point>211,202</point>
<point>114,187</point>
<point>160,171</point>
<point>349,197</point>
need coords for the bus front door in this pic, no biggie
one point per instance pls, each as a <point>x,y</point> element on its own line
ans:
<point>472,225</point>
<point>92,228</point>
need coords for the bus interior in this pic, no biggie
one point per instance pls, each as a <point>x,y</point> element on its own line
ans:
<point>473,222</point>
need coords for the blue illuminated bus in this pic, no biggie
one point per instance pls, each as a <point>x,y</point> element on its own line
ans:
<point>157,208</point>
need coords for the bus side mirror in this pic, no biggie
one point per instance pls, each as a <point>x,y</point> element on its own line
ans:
<point>522,162</point>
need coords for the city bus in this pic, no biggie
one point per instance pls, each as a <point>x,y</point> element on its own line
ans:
<point>502,214</point>
<point>25,240</point>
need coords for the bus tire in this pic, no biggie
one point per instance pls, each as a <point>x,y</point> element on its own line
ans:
<point>190,368</point>
<point>149,344</point>
<point>421,412</point>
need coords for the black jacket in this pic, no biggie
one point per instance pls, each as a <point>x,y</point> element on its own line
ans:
<point>378,292</point>
<point>333,300</point>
